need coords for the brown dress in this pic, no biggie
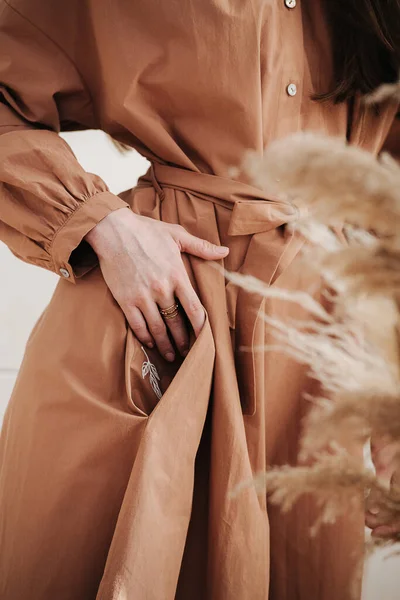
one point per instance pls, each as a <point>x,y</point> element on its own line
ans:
<point>114,484</point>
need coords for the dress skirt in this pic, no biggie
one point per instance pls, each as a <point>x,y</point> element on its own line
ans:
<point>117,468</point>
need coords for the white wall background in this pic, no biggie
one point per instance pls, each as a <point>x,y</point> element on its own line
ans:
<point>25,290</point>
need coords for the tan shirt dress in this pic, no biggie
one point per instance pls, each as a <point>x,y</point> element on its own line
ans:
<point>115,481</point>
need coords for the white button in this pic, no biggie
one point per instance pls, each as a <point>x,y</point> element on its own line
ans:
<point>291,89</point>
<point>290,3</point>
<point>64,272</point>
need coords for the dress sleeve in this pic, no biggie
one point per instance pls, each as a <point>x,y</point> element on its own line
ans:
<point>48,203</point>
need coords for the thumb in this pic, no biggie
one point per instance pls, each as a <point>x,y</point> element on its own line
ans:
<point>199,247</point>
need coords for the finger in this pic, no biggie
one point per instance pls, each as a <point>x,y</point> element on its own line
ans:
<point>378,443</point>
<point>385,466</point>
<point>373,502</point>
<point>199,247</point>
<point>138,325</point>
<point>176,325</point>
<point>395,480</point>
<point>191,305</point>
<point>384,452</point>
<point>158,330</point>
<point>374,520</point>
<point>386,531</point>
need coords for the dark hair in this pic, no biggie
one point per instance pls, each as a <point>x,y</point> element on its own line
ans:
<point>366,45</point>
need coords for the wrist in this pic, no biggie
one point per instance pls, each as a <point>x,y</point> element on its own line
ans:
<point>107,229</point>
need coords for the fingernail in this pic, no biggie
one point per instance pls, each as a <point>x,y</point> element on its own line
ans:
<point>222,249</point>
<point>170,356</point>
<point>374,510</point>
<point>150,345</point>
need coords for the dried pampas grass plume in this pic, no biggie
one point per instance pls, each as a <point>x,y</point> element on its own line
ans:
<point>338,353</point>
<point>386,92</point>
<point>304,299</point>
<point>332,179</point>
<point>351,227</point>
<point>350,416</point>
<point>337,481</point>
<point>364,271</point>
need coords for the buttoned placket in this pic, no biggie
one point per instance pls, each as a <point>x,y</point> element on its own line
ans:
<point>293,62</point>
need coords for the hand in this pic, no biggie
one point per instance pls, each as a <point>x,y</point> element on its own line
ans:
<point>385,455</point>
<point>140,259</point>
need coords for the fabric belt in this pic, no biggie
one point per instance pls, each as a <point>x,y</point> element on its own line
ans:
<point>266,258</point>
<point>252,211</point>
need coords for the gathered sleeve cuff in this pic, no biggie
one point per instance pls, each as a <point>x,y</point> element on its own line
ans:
<point>49,203</point>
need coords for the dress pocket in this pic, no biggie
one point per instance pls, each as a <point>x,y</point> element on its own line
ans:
<point>147,375</point>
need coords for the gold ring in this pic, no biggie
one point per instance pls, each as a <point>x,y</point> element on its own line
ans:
<point>172,315</point>
<point>170,312</point>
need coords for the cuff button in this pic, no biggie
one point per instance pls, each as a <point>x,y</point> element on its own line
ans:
<point>64,272</point>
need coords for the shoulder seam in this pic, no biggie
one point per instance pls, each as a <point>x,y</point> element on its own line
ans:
<point>61,50</point>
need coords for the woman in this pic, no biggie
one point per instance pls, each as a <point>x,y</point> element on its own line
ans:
<point>136,413</point>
